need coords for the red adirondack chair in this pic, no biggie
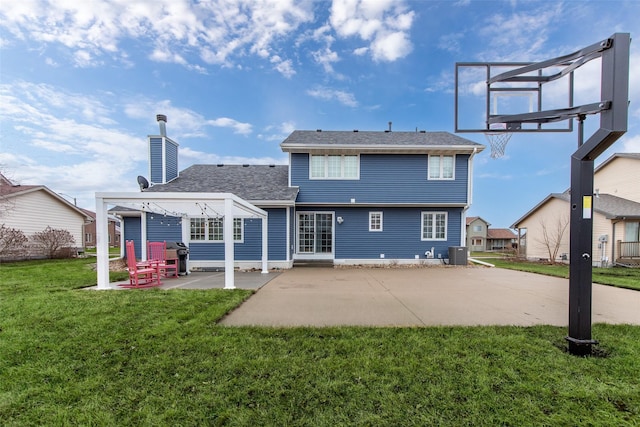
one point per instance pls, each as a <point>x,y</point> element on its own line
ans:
<point>157,254</point>
<point>141,275</point>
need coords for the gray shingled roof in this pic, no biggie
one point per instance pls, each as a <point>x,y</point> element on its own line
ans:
<point>612,207</point>
<point>301,139</point>
<point>254,182</point>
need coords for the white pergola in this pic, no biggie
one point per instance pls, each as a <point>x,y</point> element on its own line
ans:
<point>184,205</point>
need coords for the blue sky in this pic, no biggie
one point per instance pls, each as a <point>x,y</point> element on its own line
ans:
<point>81,83</point>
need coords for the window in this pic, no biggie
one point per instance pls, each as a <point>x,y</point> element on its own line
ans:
<point>476,242</point>
<point>434,226</point>
<point>441,167</point>
<point>333,166</point>
<point>375,221</point>
<point>197,229</point>
<point>632,232</point>
<point>477,228</point>
<point>212,229</point>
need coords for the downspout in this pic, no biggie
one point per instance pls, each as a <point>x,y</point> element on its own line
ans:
<point>463,224</point>
<point>613,242</point>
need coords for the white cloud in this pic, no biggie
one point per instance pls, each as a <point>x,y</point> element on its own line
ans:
<point>181,122</point>
<point>278,132</point>
<point>326,57</point>
<point>284,67</point>
<point>520,36</point>
<point>225,122</point>
<point>329,94</point>
<point>177,31</point>
<point>631,144</point>
<point>383,23</point>
<point>58,126</point>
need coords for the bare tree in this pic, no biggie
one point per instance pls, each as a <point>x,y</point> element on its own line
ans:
<point>6,204</point>
<point>54,241</point>
<point>12,241</point>
<point>552,236</point>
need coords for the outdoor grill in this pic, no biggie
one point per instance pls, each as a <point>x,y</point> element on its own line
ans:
<point>180,251</point>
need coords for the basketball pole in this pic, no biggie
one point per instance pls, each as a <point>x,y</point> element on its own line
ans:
<point>580,244</point>
<point>613,124</point>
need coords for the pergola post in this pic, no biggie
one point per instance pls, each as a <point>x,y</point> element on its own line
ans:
<point>265,245</point>
<point>102,244</point>
<point>228,244</point>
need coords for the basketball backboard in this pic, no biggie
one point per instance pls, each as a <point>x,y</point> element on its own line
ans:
<point>479,99</point>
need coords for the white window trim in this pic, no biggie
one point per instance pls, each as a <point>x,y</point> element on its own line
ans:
<point>446,226</point>
<point>206,232</point>
<point>440,175</point>
<point>326,167</point>
<point>381,221</point>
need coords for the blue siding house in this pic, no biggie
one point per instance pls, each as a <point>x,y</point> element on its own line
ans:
<point>353,197</point>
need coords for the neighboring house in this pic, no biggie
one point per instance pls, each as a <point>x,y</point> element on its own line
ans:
<point>501,239</point>
<point>33,208</point>
<point>477,234</point>
<point>616,216</point>
<point>90,231</point>
<point>345,198</point>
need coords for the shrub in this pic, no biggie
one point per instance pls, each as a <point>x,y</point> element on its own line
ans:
<point>56,243</point>
<point>12,241</point>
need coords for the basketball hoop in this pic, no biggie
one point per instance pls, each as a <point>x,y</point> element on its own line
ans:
<point>498,139</point>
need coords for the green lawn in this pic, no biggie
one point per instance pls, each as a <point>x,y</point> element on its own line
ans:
<point>615,276</point>
<point>150,357</point>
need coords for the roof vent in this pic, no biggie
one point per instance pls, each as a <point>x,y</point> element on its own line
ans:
<point>318,130</point>
<point>423,131</point>
<point>272,166</point>
<point>245,165</point>
<point>220,165</point>
<point>355,130</point>
<point>387,131</point>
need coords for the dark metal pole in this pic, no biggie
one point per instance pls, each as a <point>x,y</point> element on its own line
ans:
<point>581,241</point>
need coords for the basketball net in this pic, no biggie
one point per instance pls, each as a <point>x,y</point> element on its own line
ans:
<point>498,140</point>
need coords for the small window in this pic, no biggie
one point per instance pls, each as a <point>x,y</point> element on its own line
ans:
<point>197,229</point>
<point>434,226</point>
<point>441,166</point>
<point>87,238</point>
<point>477,228</point>
<point>476,242</point>
<point>375,221</point>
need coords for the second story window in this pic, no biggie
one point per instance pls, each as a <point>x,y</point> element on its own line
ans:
<point>441,166</point>
<point>333,166</point>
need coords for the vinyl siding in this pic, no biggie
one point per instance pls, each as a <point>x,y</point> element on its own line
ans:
<point>548,215</point>
<point>251,248</point>
<point>155,159</point>
<point>619,178</point>
<point>34,211</point>
<point>172,160</point>
<point>400,237</point>
<point>133,231</point>
<point>384,178</point>
<point>164,228</point>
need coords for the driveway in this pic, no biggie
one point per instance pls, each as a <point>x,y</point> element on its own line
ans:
<point>424,297</point>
